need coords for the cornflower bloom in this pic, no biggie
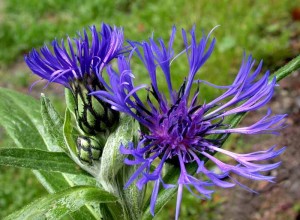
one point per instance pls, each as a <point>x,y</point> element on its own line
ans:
<point>178,130</point>
<point>79,67</point>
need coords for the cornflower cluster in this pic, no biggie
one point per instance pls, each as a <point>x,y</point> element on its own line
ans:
<point>176,128</point>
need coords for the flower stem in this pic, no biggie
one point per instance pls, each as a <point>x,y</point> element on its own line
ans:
<point>287,69</point>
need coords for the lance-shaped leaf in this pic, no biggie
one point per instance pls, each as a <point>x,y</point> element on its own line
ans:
<point>20,116</point>
<point>53,125</point>
<point>70,140</point>
<point>57,205</point>
<point>39,160</point>
<point>70,101</point>
<point>165,195</point>
<point>112,160</point>
<point>114,173</point>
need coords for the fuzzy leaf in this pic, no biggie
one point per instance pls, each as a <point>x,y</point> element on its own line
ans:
<point>20,116</point>
<point>39,160</point>
<point>70,101</point>
<point>57,205</point>
<point>53,125</point>
<point>70,141</point>
<point>112,160</point>
<point>114,174</point>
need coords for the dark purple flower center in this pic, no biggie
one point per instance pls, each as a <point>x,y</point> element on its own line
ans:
<point>181,130</point>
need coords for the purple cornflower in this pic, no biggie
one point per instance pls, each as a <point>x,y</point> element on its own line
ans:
<point>178,130</point>
<point>79,67</point>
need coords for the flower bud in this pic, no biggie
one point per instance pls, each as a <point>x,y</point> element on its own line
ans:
<point>92,114</point>
<point>89,149</point>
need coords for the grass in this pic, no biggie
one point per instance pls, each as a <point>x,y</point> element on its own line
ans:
<point>258,27</point>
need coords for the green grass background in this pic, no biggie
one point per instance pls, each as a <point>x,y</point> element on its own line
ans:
<point>262,28</point>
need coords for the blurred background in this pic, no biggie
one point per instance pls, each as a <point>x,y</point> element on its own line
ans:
<point>269,30</point>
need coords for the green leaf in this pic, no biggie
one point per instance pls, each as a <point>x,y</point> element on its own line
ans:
<point>112,160</point>
<point>20,116</point>
<point>70,101</point>
<point>39,160</point>
<point>68,133</point>
<point>131,198</point>
<point>57,205</point>
<point>53,125</point>
<point>114,174</point>
<point>165,195</point>
<point>55,182</point>
<point>69,137</point>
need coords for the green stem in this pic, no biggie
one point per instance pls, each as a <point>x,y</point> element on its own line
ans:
<point>111,211</point>
<point>287,69</point>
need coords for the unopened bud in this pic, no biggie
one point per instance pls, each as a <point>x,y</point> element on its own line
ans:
<point>92,114</point>
<point>89,149</point>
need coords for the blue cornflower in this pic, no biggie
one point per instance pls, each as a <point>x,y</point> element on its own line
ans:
<point>79,67</point>
<point>178,129</point>
<point>82,59</point>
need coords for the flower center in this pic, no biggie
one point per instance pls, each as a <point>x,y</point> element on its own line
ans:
<point>179,131</point>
